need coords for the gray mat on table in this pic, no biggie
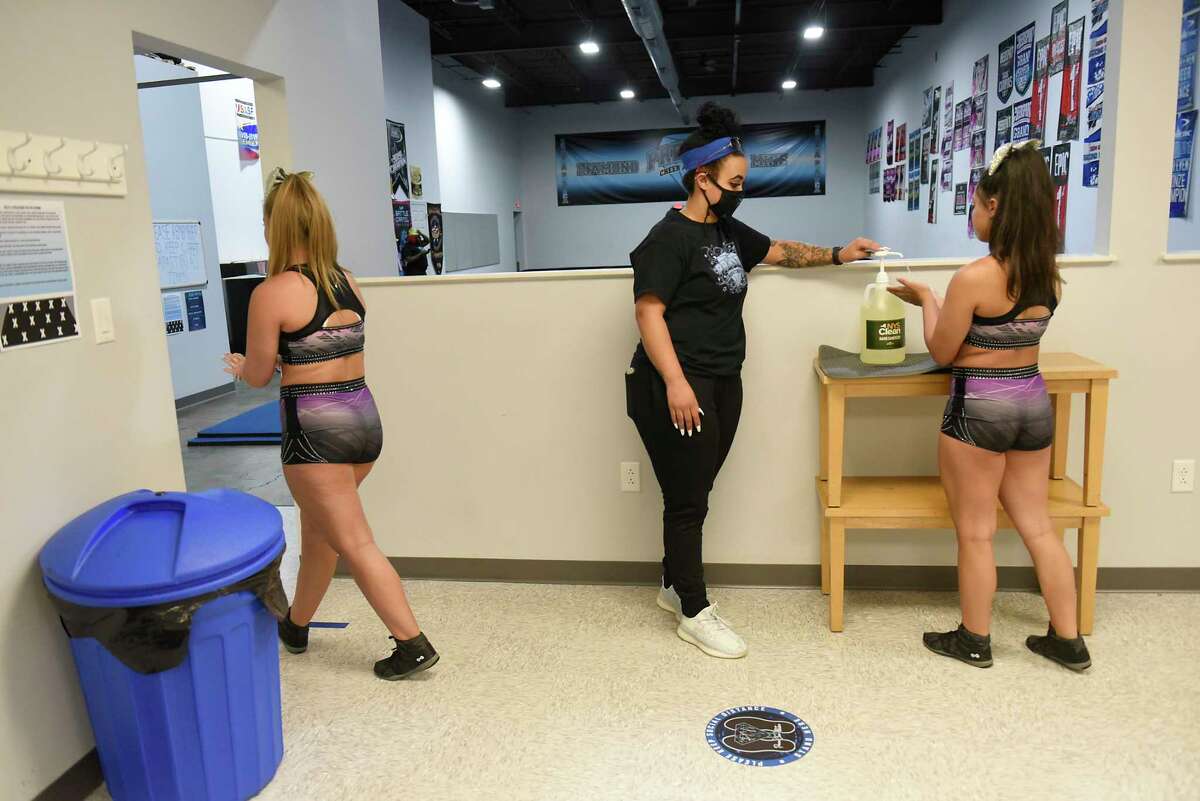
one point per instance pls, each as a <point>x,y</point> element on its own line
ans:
<point>839,363</point>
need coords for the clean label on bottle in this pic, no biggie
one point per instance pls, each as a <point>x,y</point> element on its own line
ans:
<point>885,334</point>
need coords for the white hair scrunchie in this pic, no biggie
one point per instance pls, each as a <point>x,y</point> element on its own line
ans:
<point>1002,153</point>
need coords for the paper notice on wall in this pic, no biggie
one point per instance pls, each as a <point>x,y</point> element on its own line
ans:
<point>194,300</point>
<point>420,217</point>
<point>173,311</point>
<point>35,255</point>
<point>1023,59</point>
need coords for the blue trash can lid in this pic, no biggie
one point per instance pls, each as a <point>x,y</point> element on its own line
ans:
<point>146,548</point>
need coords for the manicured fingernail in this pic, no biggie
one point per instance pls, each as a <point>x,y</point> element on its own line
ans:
<point>689,432</point>
<point>698,429</point>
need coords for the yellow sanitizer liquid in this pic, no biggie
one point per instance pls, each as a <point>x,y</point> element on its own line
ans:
<point>882,321</point>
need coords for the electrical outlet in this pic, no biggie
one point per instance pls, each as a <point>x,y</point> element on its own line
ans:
<point>1183,475</point>
<point>631,477</point>
<point>102,319</point>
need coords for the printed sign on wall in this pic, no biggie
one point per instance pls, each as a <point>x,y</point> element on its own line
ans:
<point>1020,120</point>
<point>960,199</point>
<point>1060,171</point>
<point>1181,175</point>
<point>1023,59</point>
<point>891,141</point>
<point>1068,113</point>
<point>1058,38</point>
<point>1041,90</point>
<point>1004,69</point>
<point>247,130</point>
<point>1004,124</point>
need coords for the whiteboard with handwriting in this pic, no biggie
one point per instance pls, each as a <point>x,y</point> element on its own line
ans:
<point>180,254</point>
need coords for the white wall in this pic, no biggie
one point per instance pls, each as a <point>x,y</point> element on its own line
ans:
<point>177,171</point>
<point>591,236</point>
<point>95,421</point>
<point>935,56</point>
<point>408,89</point>
<point>237,183</point>
<point>479,156</point>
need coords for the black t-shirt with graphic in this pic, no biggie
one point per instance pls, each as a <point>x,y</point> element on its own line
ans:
<point>699,271</point>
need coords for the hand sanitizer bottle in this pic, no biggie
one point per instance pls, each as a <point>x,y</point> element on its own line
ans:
<point>882,318</point>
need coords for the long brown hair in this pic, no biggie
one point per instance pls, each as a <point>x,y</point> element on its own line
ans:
<point>297,217</point>
<point>1024,236</point>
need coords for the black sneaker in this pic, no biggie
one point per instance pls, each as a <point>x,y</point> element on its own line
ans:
<point>411,656</point>
<point>962,645</point>
<point>1071,654</point>
<point>293,637</point>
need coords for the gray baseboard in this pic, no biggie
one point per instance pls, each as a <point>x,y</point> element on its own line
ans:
<point>81,780</point>
<point>858,577</point>
<point>206,395</point>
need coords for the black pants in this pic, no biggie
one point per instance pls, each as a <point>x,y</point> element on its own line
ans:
<point>685,466</point>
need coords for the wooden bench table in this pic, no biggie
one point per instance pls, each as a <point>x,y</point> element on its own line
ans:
<point>916,502</point>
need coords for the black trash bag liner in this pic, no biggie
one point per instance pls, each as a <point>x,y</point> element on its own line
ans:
<point>151,639</point>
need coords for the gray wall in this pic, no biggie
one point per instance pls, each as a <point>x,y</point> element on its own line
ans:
<point>603,235</point>
<point>935,56</point>
<point>178,175</point>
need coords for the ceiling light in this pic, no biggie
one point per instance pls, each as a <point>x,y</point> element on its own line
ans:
<point>813,31</point>
<point>628,94</point>
<point>589,47</point>
<point>789,84</point>
<point>491,83</point>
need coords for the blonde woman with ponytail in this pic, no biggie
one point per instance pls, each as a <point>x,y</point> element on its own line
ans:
<point>309,318</point>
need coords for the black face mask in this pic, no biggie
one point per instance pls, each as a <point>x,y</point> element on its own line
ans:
<point>727,205</point>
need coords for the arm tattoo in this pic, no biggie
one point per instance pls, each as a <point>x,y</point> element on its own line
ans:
<point>799,254</point>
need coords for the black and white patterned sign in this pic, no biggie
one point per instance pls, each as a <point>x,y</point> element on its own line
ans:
<point>34,322</point>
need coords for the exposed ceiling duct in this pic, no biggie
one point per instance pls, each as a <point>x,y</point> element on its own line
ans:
<point>647,20</point>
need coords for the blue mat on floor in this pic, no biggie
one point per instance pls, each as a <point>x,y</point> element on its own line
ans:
<point>259,426</point>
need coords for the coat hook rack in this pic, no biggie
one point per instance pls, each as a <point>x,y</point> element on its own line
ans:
<point>48,162</point>
<point>14,164</point>
<point>84,170</point>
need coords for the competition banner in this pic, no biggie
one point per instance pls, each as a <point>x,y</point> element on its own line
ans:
<point>1023,59</point>
<point>976,177</point>
<point>786,159</point>
<point>1004,69</point>
<point>1181,176</point>
<point>979,156</point>
<point>926,146</point>
<point>873,178</point>
<point>962,123</point>
<point>247,130</point>
<point>979,113</point>
<point>1020,120</point>
<point>891,141</point>
<point>1060,171</point>
<point>914,171</point>
<point>889,184</point>
<point>1094,106</point>
<point>1068,112</point>
<point>1041,90</point>
<point>1058,38</point>
<point>901,143</point>
<point>874,145</point>
<point>947,163</point>
<point>1187,62</point>
<point>979,77</point>
<point>1004,126</point>
<point>935,125</point>
<point>931,214</point>
<point>960,199</point>
<point>948,108</point>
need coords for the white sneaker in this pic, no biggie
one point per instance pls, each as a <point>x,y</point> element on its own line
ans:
<point>711,633</point>
<point>668,599</point>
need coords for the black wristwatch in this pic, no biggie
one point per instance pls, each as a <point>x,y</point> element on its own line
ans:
<point>837,253</point>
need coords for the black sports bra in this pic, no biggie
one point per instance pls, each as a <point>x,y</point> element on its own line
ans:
<point>1006,332</point>
<point>317,342</point>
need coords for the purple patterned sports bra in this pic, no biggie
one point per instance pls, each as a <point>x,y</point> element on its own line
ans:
<point>1007,332</point>
<point>317,342</point>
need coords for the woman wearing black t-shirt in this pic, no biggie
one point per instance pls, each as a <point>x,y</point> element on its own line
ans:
<point>683,388</point>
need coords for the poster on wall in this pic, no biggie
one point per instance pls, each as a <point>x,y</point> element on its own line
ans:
<point>401,223</point>
<point>927,109</point>
<point>962,125</point>
<point>1004,125</point>
<point>979,113</point>
<point>914,171</point>
<point>1094,106</point>
<point>436,251</point>
<point>418,191</point>
<point>901,143</point>
<point>914,194</point>
<point>1041,90</point>
<point>1020,120</point>
<point>398,160</point>
<point>875,146</point>
<point>979,156</point>
<point>873,178</point>
<point>193,301</point>
<point>247,130</point>
<point>1181,172</point>
<point>891,141</point>
<point>948,108</point>
<point>889,184</point>
<point>1060,171</point>
<point>1068,113</point>
<point>926,146</point>
<point>1058,38</point>
<point>960,199</point>
<point>1004,69</point>
<point>1191,5</point>
<point>37,275</point>
<point>931,216</point>
<point>976,177</point>
<point>1023,59</point>
<point>935,125</point>
<point>979,77</point>
<point>1187,62</point>
<point>947,163</point>
<point>788,160</point>
<point>172,304</point>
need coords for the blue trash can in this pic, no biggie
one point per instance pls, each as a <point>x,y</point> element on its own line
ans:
<point>166,597</point>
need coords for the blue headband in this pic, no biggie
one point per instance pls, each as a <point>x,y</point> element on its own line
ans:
<point>713,151</point>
